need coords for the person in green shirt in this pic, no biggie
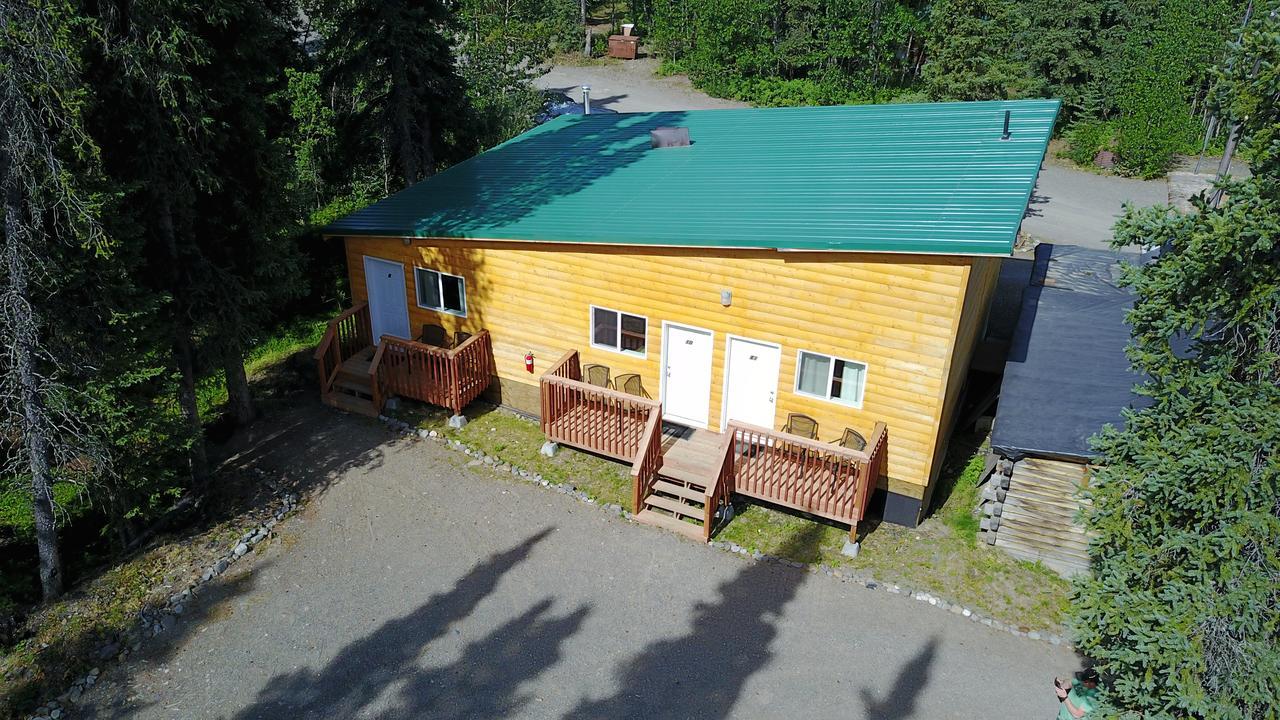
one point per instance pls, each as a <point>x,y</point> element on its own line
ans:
<point>1079,699</point>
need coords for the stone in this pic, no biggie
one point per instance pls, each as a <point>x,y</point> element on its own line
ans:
<point>1055,640</point>
<point>957,610</point>
<point>55,714</point>
<point>967,612</point>
<point>221,566</point>
<point>850,549</point>
<point>548,449</point>
<point>988,622</point>
<point>1034,635</point>
<point>74,696</point>
<point>475,463</point>
<point>457,422</point>
<point>424,434</point>
<point>109,650</point>
<point>177,609</point>
<point>240,550</point>
<point>488,460</point>
<point>432,433</point>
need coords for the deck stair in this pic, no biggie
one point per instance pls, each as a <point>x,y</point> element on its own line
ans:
<point>352,389</point>
<point>678,499</point>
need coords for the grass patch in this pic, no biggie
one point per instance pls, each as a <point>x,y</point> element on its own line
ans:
<point>941,557</point>
<point>298,334</point>
<point>517,440</point>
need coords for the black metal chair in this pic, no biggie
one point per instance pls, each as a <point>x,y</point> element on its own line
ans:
<point>852,439</point>
<point>434,335</point>
<point>802,425</point>
<point>596,375</point>
<point>460,337</point>
<point>631,384</point>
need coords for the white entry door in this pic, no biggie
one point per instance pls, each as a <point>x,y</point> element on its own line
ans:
<point>751,381</point>
<point>686,374</point>
<point>388,302</point>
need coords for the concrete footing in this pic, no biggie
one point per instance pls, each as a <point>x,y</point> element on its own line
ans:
<point>549,449</point>
<point>850,549</point>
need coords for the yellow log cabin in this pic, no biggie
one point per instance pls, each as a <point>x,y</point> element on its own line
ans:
<point>796,292</point>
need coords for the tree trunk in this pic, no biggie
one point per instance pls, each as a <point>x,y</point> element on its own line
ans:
<point>24,326</point>
<point>183,352</point>
<point>239,399</point>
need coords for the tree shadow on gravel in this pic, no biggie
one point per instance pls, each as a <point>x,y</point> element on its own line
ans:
<point>701,673</point>
<point>912,679</point>
<point>483,682</point>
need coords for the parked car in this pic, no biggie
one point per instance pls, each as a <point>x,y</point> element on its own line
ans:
<point>556,103</point>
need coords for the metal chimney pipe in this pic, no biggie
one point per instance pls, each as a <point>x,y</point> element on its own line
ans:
<point>586,99</point>
<point>1004,135</point>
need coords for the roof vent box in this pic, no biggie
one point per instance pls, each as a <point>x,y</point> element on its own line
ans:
<point>665,137</point>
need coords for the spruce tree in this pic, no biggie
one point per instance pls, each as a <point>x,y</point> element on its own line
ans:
<point>1182,611</point>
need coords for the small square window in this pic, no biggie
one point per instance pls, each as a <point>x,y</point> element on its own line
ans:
<point>618,331</point>
<point>441,292</point>
<point>831,378</point>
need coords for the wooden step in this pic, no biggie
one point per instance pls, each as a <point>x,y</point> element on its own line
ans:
<point>350,403</point>
<point>352,372</point>
<point>352,387</point>
<point>675,506</point>
<point>684,473</point>
<point>666,522</point>
<point>681,491</point>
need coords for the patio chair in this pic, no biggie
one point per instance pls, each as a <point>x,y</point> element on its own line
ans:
<point>434,335</point>
<point>852,439</point>
<point>460,337</point>
<point>631,384</point>
<point>596,375</point>
<point>801,425</point>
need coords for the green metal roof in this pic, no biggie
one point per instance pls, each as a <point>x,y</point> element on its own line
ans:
<point>930,178</point>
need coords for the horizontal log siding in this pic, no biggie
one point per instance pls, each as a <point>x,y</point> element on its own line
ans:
<point>897,313</point>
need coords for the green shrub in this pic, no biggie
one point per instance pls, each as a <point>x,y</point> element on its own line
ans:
<point>1086,138</point>
<point>16,515</point>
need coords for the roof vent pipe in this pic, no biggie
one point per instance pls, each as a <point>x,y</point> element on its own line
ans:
<point>586,100</point>
<point>1005,134</point>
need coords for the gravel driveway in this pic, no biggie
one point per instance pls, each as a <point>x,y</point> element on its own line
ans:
<point>415,586</point>
<point>1069,207</point>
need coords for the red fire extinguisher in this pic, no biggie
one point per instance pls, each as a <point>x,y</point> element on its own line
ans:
<point>528,361</point>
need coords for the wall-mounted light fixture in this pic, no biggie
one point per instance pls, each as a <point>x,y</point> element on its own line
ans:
<point>726,298</point>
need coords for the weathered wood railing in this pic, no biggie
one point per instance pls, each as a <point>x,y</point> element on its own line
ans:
<point>593,418</point>
<point>450,378</point>
<point>347,335</point>
<point>821,479</point>
<point>720,493</point>
<point>644,470</point>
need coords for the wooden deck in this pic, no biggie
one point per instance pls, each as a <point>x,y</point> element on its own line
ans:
<point>358,375</point>
<point>684,478</point>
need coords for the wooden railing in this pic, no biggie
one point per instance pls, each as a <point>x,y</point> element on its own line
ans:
<point>347,334</point>
<point>644,471</point>
<point>450,378</point>
<point>821,479</point>
<point>593,418</point>
<point>720,493</point>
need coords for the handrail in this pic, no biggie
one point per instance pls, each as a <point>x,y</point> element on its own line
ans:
<point>558,367</point>
<point>718,493</point>
<point>603,391</point>
<point>375,382</point>
<point>334,348</point>
<point>858,455</point>
<point>644,470</point>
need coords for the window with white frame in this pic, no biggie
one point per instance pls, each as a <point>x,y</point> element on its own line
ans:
<point>618,331</point>
<point>440,291</point>
<point>831,378</point>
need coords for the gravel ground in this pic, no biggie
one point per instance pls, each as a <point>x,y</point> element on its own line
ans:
<point>1069,207</point>
<point>415,586</point>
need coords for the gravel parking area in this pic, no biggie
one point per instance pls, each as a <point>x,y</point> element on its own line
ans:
<point>417,586</point>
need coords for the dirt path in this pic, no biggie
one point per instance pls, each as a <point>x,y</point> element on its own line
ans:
<point>631,86</point>
<point>416,586</point>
